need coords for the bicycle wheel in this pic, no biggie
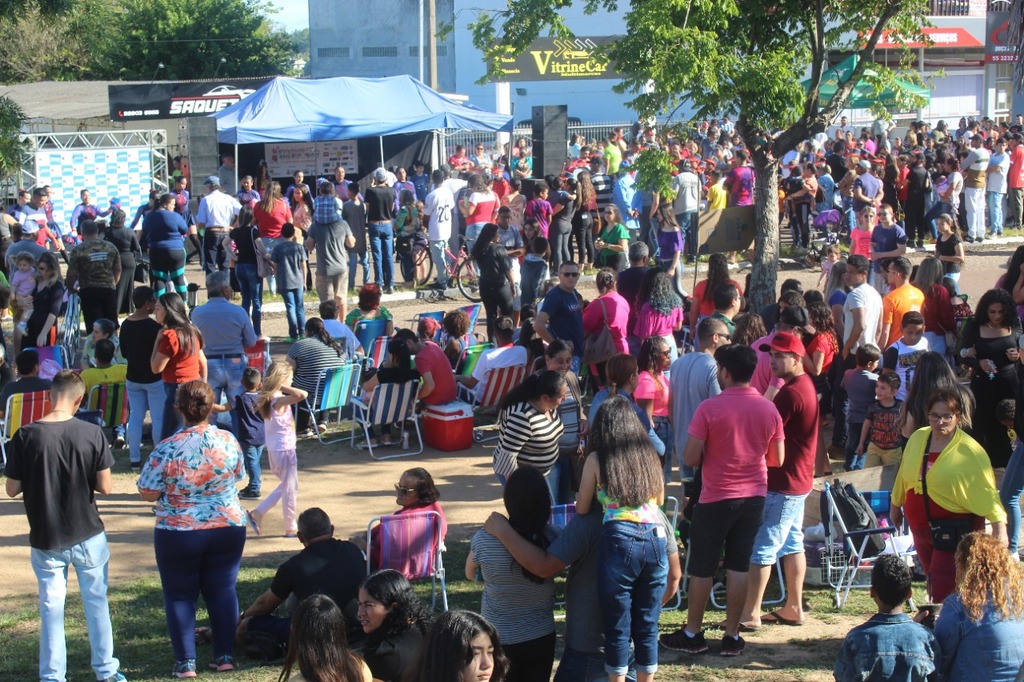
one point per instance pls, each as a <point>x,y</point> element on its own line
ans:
<point>467,281</point>
<point>428,261</point>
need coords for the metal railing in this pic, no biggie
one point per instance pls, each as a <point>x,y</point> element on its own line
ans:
<point>591,133</point>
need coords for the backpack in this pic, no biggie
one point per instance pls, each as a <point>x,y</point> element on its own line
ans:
<point>856,514</point>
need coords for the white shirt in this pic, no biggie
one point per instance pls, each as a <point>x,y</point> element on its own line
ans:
<point>495,358</point>
<point>438,208</point>
<point>218,210</point>
<point>863,296</point>
<point>687,187</point>
<point>997,180</point>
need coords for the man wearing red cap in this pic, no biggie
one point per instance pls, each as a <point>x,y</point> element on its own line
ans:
<point>781,533</point>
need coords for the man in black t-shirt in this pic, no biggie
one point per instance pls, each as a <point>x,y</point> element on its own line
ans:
<point>324,566</point>
<point>58,464</point>
<point>380,215</point>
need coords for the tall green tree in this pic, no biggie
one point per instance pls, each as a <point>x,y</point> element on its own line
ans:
<point>12,118</point>
<point>190,39</point>
<point>743,57</point>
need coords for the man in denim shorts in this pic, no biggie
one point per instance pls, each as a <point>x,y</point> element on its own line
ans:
<point>734,456</point>
<point>781,533</point>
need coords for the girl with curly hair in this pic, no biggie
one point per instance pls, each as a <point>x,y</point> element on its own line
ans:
<point>749,328</point>
<point>395,622</point>
<point>661,314</point>
<point>981,626</point>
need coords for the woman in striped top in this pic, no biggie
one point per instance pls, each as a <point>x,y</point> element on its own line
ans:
<point>310,356</point>
<point>530,428</point>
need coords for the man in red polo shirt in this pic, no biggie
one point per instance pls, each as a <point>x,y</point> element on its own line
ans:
<point>1015,182</point>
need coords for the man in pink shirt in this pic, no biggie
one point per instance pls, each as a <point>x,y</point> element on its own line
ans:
<point>1015,182</point>
<point>734,456</point>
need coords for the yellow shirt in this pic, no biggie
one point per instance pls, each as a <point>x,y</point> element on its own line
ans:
<point>961,479</point>
<point>718,198</point>
<point>94,376</point>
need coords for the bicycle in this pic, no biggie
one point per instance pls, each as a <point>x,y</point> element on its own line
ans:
<point>462,270</point>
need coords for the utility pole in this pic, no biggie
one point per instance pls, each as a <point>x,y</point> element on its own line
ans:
<point>432,40</point>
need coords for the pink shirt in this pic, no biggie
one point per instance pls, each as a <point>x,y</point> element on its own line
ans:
<point>763,378</point>
<point>652,323</point>
<point>860,243</point>
<point>734,464</point>
<point>650,388</point>
<point>617,310</point>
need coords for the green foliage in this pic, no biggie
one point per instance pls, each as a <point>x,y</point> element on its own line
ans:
<point>12,118</point>
<point>654,170</point>
<point>190,38</point>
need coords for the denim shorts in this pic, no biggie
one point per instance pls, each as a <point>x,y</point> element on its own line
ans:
<point>781,532</point>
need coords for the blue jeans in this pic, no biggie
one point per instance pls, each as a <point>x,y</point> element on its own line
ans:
<point>224,375</point>
<point>663,429</point>
<point>995,211</point>
<point>854,459</point>
<point>89,558</point>
<point>172,420</point>
<point>781,532</point>
<point>295,311</point>
<point>1009,494</point>
<point>357,258</point>
<point>194,562</point>
<point>251,285</point>
<point>269,243</point>
<point>382,247</point>
<point>631,577</point>
<point>937,209</point>
<point>441,262</point>
<point>143,397</point>
<point>252,455</point>
<point>577,666</point>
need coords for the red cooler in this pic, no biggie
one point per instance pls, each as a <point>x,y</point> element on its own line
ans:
<point>448,427</point>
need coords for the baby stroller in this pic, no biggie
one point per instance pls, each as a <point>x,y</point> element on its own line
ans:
<point>827,225</point>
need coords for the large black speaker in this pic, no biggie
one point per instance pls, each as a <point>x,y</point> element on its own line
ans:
<point>198,139</point>
<point>550,139</point>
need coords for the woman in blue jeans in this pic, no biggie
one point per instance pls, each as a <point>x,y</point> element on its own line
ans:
<point>624,475</point>
<point>245,244</point>
<point>200,529</point>
<point>145,387</point>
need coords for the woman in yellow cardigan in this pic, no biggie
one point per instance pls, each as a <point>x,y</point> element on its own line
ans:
<point>961,485</point>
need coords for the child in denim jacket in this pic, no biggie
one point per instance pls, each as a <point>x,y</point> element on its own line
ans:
<point>890,646</point>
<point>534,269</point>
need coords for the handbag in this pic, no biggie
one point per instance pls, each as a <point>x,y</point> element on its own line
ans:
<point>946,533</point>
<point>597,348</point>
<point>263,267</point>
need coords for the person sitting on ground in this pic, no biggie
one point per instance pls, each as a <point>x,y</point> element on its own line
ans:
<point>395,621</point>
<point>890,646</point>
<point>325,566</point>
<point>414,492</point>
<point>460,647</point>
<point>980,629</point>
<point>505,355</point>
<point>321,650</point>
<point>338,330</point>
<point>27,364</point>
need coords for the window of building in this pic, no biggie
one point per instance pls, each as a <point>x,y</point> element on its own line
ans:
<point>414,50</point>
<point>332,52</point>
<point>386,51</point>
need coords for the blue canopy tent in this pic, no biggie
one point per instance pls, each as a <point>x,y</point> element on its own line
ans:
<point>298,110</point>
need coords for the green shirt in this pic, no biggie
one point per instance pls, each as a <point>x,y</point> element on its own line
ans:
<point>612,235</point>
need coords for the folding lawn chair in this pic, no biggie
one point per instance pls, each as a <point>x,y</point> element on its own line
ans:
<point>52,359</point>
<point>376,353</point>
<point>474,314</point>
<point>368,330</point>
<point>412,545</point>
<point>335,388</point>
<point>257,356</point>
<point>388,404</point>
<point>497,383</point>
<point>22,409</point>
<point>469,357</point>
<point>70,332</point>
<point>111,401</point>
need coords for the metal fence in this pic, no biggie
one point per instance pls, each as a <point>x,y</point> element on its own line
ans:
<point>591,133</point>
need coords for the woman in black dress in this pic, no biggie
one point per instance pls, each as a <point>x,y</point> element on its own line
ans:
<point>131,253</point>
<point>48,300</point>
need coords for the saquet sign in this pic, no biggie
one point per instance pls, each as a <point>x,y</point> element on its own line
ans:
<point>177,100</point>
<point>552,59</point>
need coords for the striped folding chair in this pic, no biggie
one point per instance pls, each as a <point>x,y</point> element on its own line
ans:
<point>257,356</point>
<point>52,359</point>
<point>378,351</point>
<point>111,401</point>
<point>469,357</point>
<point>335,388</point>
<point>367,331</point>
<point>388,404</point>
<point>22,409</point>
<point>70,333</point>
<point>498,382</point>
<point>412,545</point>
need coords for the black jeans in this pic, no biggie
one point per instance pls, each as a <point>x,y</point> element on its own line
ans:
<point>214,256</point>
<point>497,298</point>
<point>583,235</point>
<point>531,660</point>
<point>98,303</point>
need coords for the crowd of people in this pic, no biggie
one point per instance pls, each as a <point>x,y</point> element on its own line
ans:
<point>622,396</point>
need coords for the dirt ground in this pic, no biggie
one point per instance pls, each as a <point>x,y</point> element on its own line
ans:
<point>353,488</point>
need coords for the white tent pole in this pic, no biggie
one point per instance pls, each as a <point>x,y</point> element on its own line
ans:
<point>420,31</point>
<point>381,138</point>
<point>236,168</point>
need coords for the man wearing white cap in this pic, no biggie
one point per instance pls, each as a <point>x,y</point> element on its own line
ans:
<point>217,212</point>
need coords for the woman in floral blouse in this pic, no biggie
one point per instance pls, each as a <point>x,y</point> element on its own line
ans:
<point>200,528</point>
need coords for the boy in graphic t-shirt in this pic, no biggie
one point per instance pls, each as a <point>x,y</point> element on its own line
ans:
<point>881,429</point>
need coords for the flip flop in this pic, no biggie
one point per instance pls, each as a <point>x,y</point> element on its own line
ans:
<point>774,618</point>
<point>743,627</point>
<point>253,523</point>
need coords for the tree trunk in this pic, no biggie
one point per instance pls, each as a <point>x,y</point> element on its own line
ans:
<point>765,264</point>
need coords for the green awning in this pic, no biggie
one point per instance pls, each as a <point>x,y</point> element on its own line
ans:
<point>863,95</point>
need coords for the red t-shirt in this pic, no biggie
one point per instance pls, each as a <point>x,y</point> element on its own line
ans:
<point>797,403</point>
<point>1015,174</point>
<point>432,359</point>
<point>707,306</point>
<point>180,368</point>
<point>825,344</point>
<point>270,223</point>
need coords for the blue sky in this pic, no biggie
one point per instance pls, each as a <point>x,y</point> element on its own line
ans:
<point>292,14</point>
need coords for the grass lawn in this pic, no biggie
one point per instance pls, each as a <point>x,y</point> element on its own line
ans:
<point>142,646</point>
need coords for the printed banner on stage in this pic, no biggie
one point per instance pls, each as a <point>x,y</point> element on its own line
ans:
<point>126,174</point>
<point>178,100</point>
<point>317,158</point>
<point>730,229</point>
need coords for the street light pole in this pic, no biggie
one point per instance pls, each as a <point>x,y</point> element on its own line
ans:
<point>432,40</point>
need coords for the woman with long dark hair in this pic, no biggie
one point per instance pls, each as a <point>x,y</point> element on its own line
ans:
<point>612,244</point>
<point>308,357</point>
<point>931,373</point>
<point>461,647</point>
<point>822,348</point>
<point>989,346</point>
<point>530,428</point>
<point>563,208</point>
<point>395,621</point>
<point>585,220</point>
<point>519,603</point>
<point>653,389</point>
<point>661,314</point>
<point>702,302</point>
<point>494,268</point>
<point>670,246</point>
<point>1013,280</point>
<point>177,355</point>
<point>937,308</point>
<point>245,243</point>
<point>317,647</point>
<point>128,249</point>
<point>270,214</point>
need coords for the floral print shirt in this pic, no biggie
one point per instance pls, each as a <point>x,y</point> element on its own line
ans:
<point>196,469</point>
